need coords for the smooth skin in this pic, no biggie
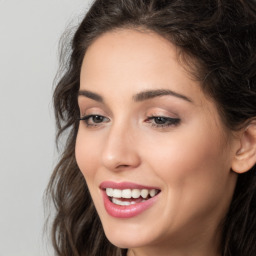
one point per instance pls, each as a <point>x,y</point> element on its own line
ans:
<point>187,153</point>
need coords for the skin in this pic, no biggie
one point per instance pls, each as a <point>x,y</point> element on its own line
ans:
<point>190,162</point>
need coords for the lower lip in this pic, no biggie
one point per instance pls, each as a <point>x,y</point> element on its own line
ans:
<point>127,211</point>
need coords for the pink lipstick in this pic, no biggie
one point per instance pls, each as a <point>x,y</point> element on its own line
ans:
<point>126,200</point>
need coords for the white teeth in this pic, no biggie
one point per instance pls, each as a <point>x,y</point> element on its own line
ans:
<point>152,192</point>
<point>135,193</point>
<point>109,191</point>
<point>126,193</point>
<point>117,193</point>
<point>144,193</point>
<point>123,203</point>
<point>130,193</point>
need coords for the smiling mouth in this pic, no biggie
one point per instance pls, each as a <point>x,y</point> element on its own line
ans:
<point>126,197</point>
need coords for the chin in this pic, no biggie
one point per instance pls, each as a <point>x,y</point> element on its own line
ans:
<point>126,242</point>
<point>124,238</point>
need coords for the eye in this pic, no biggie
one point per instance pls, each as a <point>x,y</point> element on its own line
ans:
<point>162,121</point>
<point>94,120</point>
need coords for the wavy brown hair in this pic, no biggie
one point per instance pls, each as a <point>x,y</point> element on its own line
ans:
<point>217,42</point>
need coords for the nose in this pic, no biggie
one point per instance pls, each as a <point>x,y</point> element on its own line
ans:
<point>120,149</point>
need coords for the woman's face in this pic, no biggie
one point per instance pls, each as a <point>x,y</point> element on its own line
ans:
<point>152,141</point>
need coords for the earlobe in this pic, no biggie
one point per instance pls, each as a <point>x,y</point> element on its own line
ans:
<point>245,157</point>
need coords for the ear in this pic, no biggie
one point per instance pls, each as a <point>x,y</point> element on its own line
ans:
<point>245,157</point>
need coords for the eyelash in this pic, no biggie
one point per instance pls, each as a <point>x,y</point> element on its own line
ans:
<point>87,118</point>
<point>154,120</point>
<point>166,121</point>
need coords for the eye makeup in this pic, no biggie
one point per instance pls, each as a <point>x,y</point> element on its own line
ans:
<point>94,120</point>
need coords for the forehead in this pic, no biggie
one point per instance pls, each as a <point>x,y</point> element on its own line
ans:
<point>135,42</point>
<point>132,58</point>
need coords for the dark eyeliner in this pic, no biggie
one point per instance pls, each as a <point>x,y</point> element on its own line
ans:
<point>96,119</point>
<point>162,121</point>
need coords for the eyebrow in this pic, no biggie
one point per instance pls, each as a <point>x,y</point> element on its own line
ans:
<point>141,96</point>
<point>90,95</point>
<point>145,95</point>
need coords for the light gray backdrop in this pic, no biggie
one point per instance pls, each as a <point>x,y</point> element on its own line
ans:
<point>29,35</point>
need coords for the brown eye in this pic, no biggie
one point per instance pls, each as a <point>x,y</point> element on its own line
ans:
<point>162,121</point>
<point>97,119</point>
<point>94,120</point>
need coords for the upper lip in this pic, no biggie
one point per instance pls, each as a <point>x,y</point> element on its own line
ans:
<point>124,185</point>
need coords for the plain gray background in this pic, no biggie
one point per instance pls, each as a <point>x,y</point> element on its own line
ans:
<point>29,35</point>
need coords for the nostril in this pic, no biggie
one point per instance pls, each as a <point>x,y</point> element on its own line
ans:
<point>122,166</point>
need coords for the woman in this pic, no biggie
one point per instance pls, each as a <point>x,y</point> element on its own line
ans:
<point>159,101</point>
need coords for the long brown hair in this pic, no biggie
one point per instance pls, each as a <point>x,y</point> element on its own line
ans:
<point>218,37</point>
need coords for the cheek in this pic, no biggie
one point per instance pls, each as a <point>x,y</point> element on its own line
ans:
<point>86,154</point>
<point>185,152</point>
<point>191,162</point>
